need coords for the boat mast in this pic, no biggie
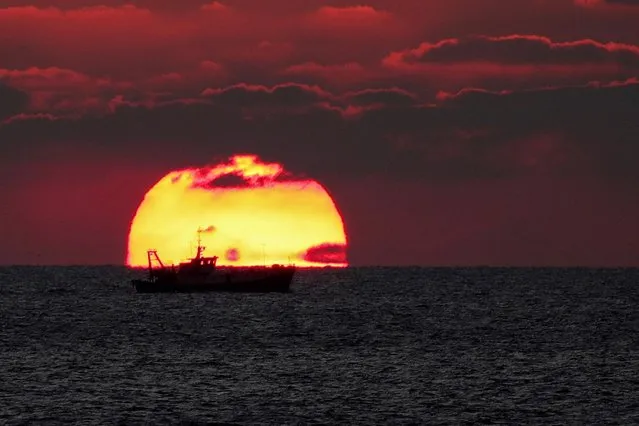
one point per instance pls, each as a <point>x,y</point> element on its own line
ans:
<point>200,248</point>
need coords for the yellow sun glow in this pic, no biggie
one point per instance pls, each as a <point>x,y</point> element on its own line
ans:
<point>251,213</point>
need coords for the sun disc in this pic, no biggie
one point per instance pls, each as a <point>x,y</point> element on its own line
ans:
<point>251,213</point>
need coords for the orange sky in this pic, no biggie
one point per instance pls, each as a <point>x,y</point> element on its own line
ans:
<point>447,132</point>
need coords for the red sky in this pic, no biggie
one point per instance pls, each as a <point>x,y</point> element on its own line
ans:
<point>455,132</point>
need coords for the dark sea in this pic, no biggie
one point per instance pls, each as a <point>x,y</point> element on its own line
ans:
<point>354,346</point>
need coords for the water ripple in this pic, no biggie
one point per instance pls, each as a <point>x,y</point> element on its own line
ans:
<point>356,346</point>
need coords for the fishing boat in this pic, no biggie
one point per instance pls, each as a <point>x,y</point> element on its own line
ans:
<point>201,274</point>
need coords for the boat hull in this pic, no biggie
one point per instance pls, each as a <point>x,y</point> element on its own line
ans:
<point>271,281</point>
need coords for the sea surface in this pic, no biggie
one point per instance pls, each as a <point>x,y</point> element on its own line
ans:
<point>353,346</point>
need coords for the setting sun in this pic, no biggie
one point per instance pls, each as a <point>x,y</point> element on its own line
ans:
<point>250,212</point>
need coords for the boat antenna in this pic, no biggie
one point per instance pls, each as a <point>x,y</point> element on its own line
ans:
<point>200,248</point>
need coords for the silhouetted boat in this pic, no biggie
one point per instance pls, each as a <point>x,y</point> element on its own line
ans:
<point>201,274</point>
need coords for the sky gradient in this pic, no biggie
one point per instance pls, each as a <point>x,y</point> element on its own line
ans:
<point>457,132</point>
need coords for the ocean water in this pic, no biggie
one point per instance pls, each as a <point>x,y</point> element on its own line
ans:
<point>353,346</point>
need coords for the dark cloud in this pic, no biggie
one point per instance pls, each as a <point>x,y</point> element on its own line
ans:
<point>514,62</point>
<point>393,96</point>
<point>582,129</point>
<point>587,129</point>
<point>624,2</point>
<point>257,96</point>
<point>326,253</point>
<point>12,101</point>
<point>593,3</point>
<point>525,49</point>
<point>231,180</point>
<point>238,180</point>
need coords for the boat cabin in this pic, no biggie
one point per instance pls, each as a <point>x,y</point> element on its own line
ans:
<point>198,265</point>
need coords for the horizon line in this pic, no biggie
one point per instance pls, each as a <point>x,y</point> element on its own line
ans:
<point>360,266</point>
